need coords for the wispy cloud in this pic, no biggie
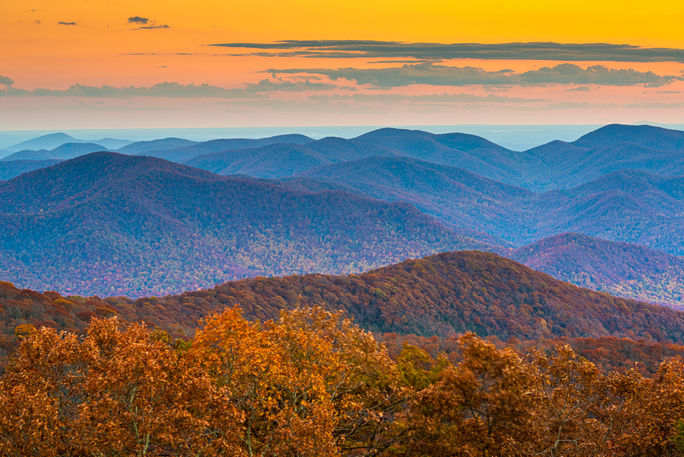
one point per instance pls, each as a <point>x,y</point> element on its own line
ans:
<point>170,90</point>
<point>149,27</point>
<point>441,75</point>
<point>66,23</point>
<point>445,51</point>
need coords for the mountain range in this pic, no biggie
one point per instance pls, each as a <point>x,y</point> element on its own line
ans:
<point>109,224</point>
<point>289,204</point>
<point>627,206</point>
<point>555,165</point>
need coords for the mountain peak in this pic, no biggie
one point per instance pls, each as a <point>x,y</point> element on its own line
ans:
<point>643,135</point>
<point>49,141</point>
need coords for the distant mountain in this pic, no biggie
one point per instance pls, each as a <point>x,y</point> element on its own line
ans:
<point>111,224</point>
<point>456,196</point>
<point>62,152</point>
<point>467,151</point>
<point>556,165</point>
<point>143,147</point>
<point>11,168</point>
<point>187,153</point>
<point>642,135</point>
<point>626,206</point>
<point>621,269</point>
<point>470,152</point>
<point>342,150</point>
<point>280,160</point>
<point>48,142</point>
<point>273,161</point>
<point>606,150</point>
<point>113,143</point>
<point>39,155</point>
<point>182,151</point>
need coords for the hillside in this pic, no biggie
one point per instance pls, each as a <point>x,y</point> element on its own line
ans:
<point>111,224</point>
<point>442,295</point>
<point>642,135</point>
<point>628,206</point>
<point>621,269</point>
<point>445,294</point>
<point>11,168</point>
<point>454,195</point>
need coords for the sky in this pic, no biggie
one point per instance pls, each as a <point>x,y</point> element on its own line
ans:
<point>79,64</point>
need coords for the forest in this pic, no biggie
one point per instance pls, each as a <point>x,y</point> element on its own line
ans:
<point>312,383</point>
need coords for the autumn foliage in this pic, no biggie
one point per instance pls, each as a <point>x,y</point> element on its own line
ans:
<point>314,384</point>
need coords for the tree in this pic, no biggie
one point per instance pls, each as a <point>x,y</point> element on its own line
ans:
<point>117,391</point>
<point>483,406</point>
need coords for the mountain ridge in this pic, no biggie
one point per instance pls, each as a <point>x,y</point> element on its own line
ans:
<point>110,223</point>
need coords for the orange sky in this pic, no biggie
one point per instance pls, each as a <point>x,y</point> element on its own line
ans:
<point>102,48</point>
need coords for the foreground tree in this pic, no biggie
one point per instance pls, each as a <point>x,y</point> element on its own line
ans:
<point>117,391</point>
<point>314,384</point>
<point>483,406</point>
<point>311,383</point>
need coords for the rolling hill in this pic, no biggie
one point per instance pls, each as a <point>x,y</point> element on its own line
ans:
<point>621,269</point>
<point>112,224</point>
<point>454,195</point>
<point>443,295</point>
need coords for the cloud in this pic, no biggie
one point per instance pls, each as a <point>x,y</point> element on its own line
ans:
<point>441,75</point>
<point>6,80</point>
<point>145,23</point>
<point>268,85</point>
<point>138,20</point>
<point>148,27</point>
<point>66,23</point>
<point>443,51</point>
<point>171,90</point>
<point>432,99</point>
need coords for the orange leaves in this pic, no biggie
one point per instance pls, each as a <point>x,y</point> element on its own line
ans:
<point>302,382</point>
<point>314,384</point>
<point>117,390</point>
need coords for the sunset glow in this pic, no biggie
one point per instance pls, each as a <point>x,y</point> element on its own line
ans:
<point>57,45</point>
